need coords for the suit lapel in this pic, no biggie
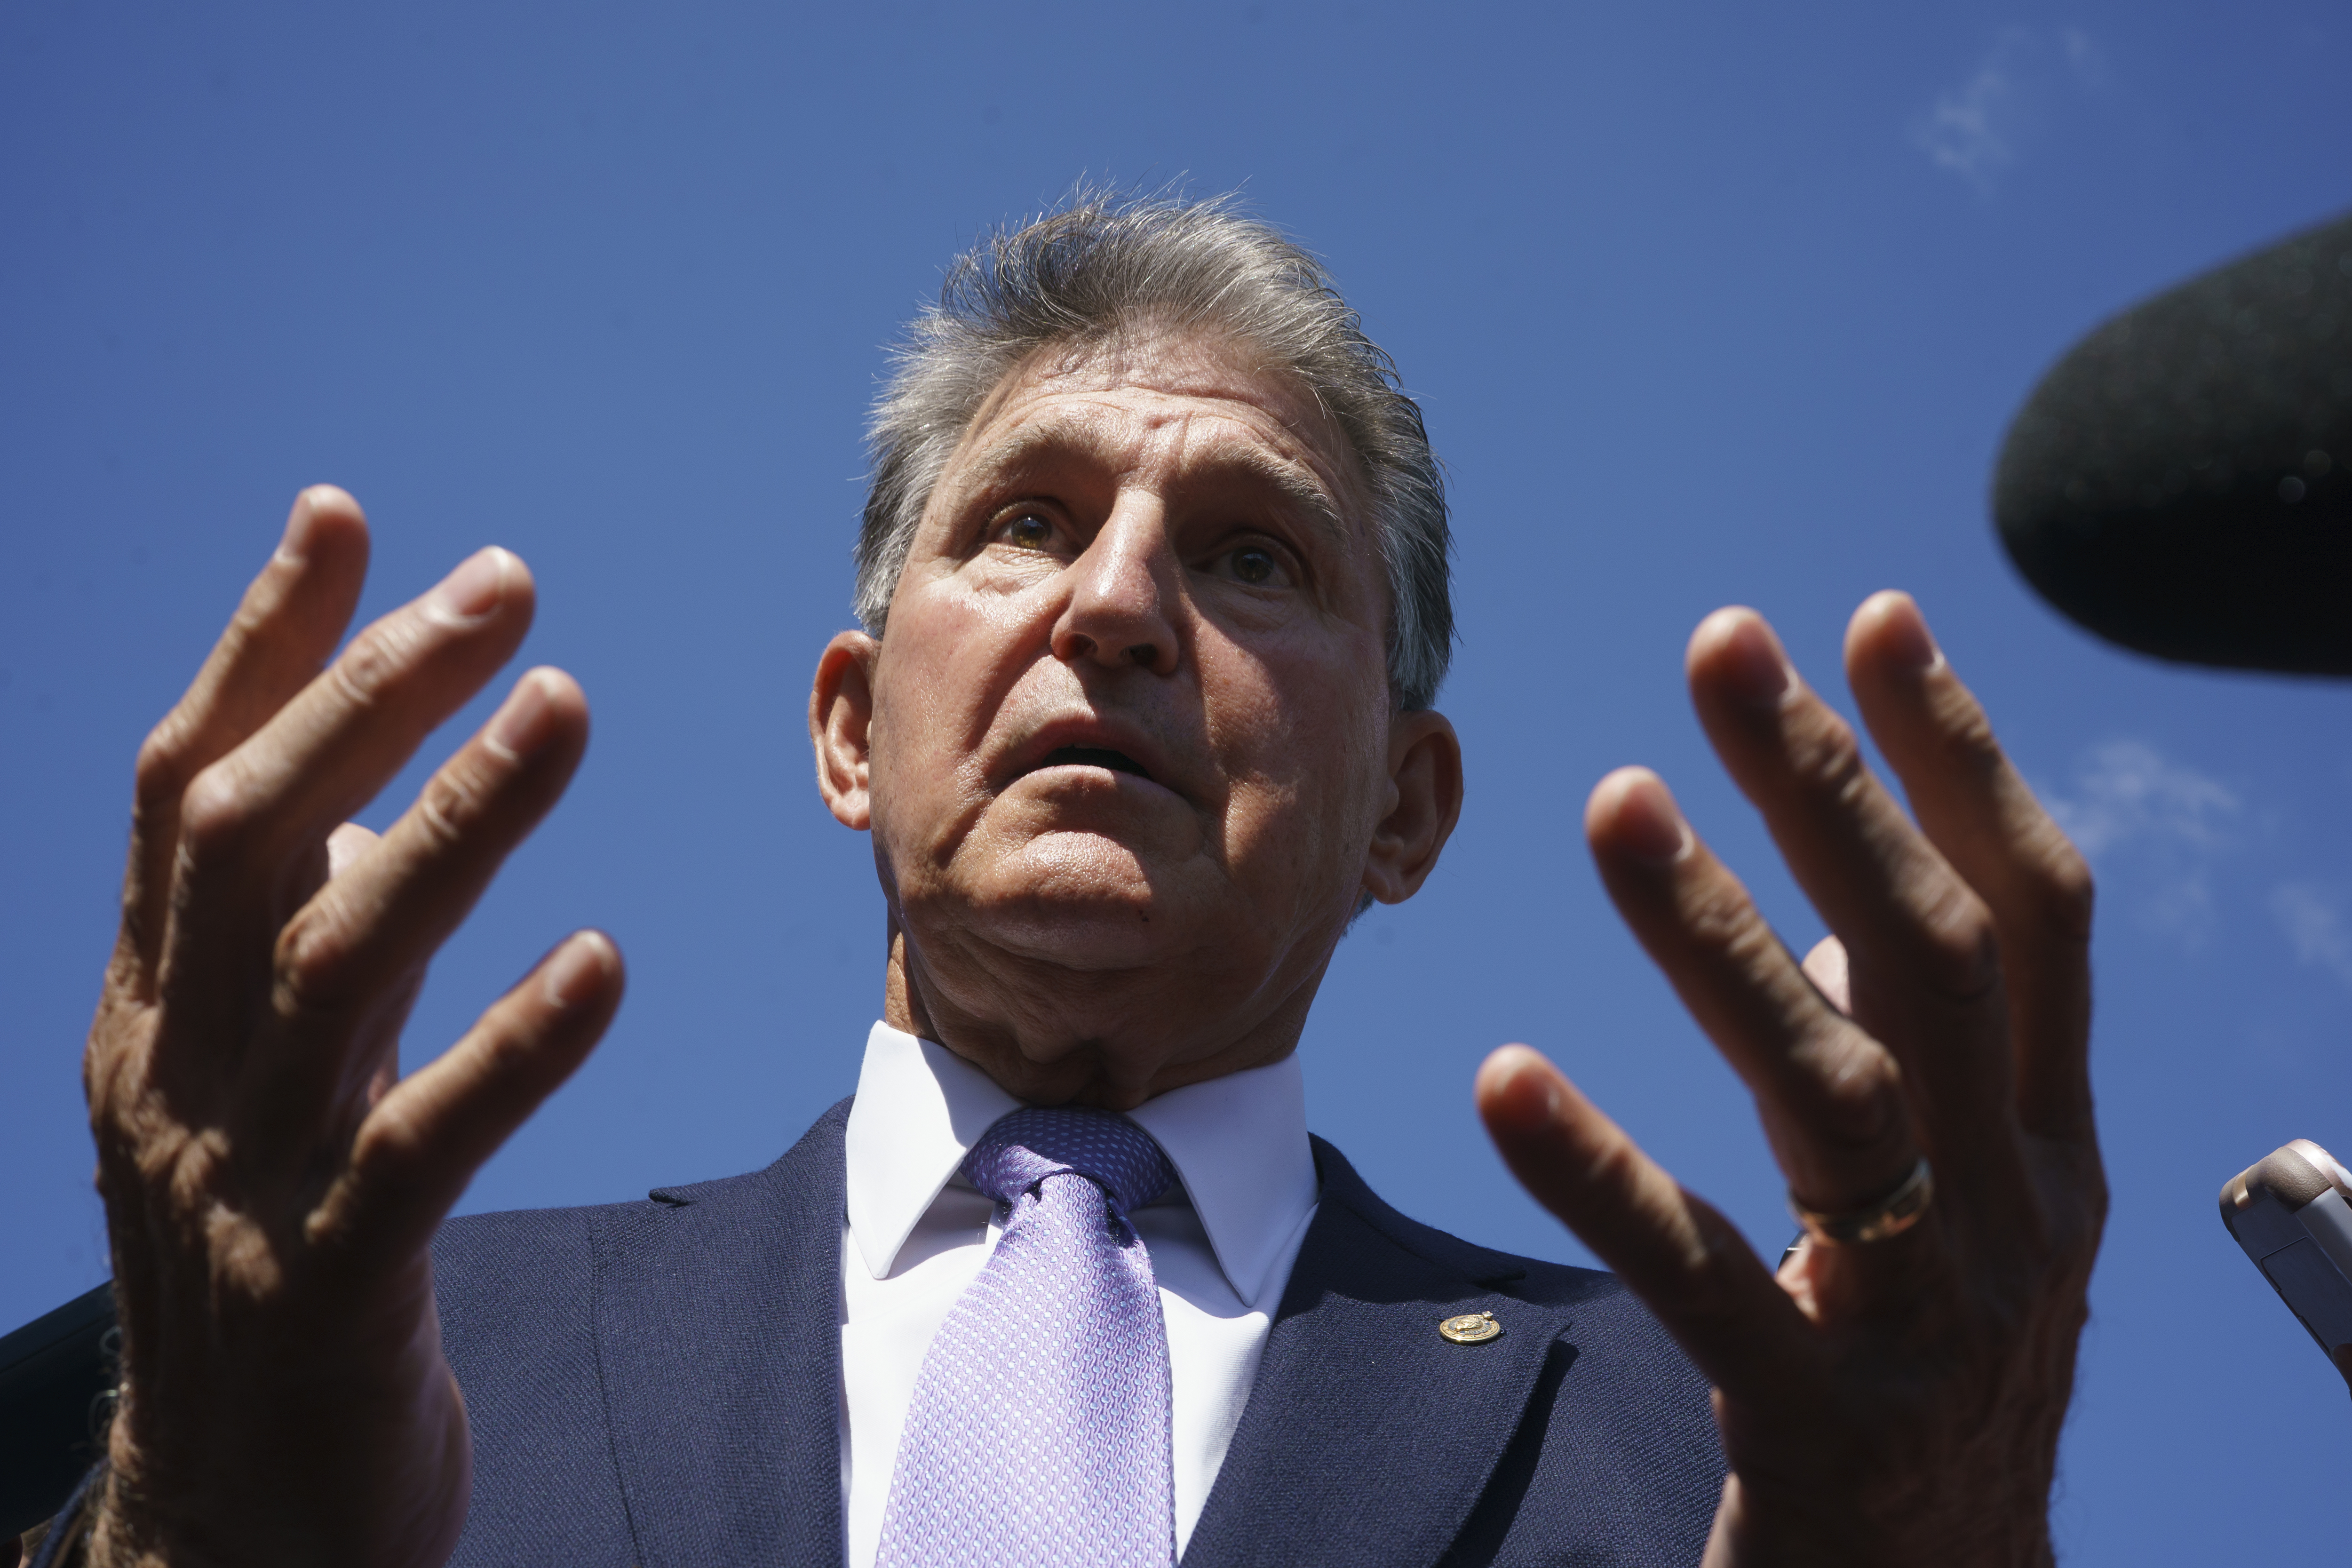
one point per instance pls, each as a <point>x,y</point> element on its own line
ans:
<point>1369,1437</point>
<point>719,1330</point>
<point>1367,1441</point>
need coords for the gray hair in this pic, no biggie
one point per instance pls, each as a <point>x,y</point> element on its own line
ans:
<point>1105,264</point>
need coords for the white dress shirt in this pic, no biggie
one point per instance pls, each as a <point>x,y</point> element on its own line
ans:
<point>1222,1242</point>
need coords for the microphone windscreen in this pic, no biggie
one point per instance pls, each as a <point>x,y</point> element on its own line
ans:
<point>2181,482</point>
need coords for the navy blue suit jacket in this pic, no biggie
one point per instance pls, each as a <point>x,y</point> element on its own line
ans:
<point>657,1384</point>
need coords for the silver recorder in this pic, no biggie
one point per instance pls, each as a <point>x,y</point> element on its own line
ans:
<point>2291,1212</point>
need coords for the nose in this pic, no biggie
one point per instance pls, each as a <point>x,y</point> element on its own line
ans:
<point>1121,608</point>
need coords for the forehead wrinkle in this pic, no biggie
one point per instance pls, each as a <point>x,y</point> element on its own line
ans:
<point>1037,435</point>
<point>1294,482</point>
<point>1070,425</point>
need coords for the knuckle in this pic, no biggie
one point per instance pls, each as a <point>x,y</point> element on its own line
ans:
<point>1957,948</point>
<point>216,810</point>
<point>509,1046</point>
<point>136,927</point>
<point>187,1170</point>
<point>160,775</point>
<point>452,802</point>
<point>314,973</point>
<point>377,658</point>
<point>1747,937</point>
<point>1719,918</point>
<point>390,1144</point>
<point>106,1073</point>
<point>1703,1287</point>
<point>1967,736</point>
<point>1827,757</point>
<point>2063,887</point>
<point>1615,1167</point>
<point>1858,1089</point>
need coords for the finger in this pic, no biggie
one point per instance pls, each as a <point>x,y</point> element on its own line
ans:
<point>1925,964</point>
<point>282,632</point>
<point>422,1142</point>
<point>254,823</point>
<point>345,845</point>
<point>1985,821</point>
<point>380,1040</point>
<point>1684,1259</point>
<point>365,940</point>
<point>1831,1097</point>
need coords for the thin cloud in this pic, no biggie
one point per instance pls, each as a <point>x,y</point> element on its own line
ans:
<point>1971,130</point>
<point>2160,822</point>
<point>1978,128</point>
<point>2085,62</point>
<point>2125,793</point>
<point>2314,928</point>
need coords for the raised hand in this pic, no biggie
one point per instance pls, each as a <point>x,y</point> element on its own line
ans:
<point>272,1185</point>
<point>1895,1400</point>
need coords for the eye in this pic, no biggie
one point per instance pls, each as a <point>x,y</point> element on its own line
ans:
<point>1258,566</point>
<point>1027,532</point>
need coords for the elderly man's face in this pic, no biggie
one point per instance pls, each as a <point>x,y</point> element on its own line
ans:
<point>1127,750</point>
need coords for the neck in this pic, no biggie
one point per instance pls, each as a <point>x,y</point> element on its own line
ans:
<point>1058,1037</point>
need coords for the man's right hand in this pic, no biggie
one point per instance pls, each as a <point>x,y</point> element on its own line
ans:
<point>271,1184</point>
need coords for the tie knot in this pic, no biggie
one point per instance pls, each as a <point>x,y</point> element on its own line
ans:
<point>1040,1141</point>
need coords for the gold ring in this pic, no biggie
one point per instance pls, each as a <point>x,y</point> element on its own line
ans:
<point>1891,1216</point>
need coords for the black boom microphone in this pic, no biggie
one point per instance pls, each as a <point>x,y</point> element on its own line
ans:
<point>2181,482</point>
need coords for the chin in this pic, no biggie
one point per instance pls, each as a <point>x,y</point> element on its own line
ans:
<point>1081,902</point>
<point>1079,940</point>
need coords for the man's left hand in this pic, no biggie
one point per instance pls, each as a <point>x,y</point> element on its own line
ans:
<point>1894,1401</point>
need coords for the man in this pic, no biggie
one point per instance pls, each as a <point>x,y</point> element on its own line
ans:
<point>1153,580</point>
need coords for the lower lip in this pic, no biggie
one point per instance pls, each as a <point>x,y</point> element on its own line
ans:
<point>1091,772</point>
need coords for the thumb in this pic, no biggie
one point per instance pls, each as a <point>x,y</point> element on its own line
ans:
<point>346,845</point>
<point>1825,966</point>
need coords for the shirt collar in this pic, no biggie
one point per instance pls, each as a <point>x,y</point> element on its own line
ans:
<point>1238,1143</point>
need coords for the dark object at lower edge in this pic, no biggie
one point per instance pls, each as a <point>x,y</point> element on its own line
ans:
<point>57,1389</point>
<point>2181,482</point>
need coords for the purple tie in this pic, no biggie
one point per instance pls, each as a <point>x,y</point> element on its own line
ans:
<point>1038,1434</point>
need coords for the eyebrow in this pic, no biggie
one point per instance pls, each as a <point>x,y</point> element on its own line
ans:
<point>1296,483</point>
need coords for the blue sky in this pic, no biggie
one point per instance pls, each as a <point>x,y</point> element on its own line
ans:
<point>1705,304</point>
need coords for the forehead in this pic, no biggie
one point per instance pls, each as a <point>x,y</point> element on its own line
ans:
<point>1182,407</point>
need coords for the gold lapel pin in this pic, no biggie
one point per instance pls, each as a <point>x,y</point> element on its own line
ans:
<point>1471,1329</point>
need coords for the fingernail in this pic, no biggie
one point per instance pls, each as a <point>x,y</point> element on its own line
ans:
<point>476,588</point>
<point>1547,1087</point>
<point>1759,672</point>
<point>576,970</point>
<point>1528,1093</point>
<point>522,723</point>
<point>1906,637</point>
<point>1648,826</point>
<point>294,544</point>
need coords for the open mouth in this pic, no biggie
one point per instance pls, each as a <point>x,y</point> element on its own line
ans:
<point>1093,757</point>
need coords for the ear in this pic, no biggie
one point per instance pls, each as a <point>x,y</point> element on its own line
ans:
<point>841,720</point>
<point>1425,771</point>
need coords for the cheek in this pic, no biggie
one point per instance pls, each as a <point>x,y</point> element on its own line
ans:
<point>966,631</point>
<point>941,658</point>
<point>916,733</point>
<point>1303,737</point>
<point>948,660</point>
